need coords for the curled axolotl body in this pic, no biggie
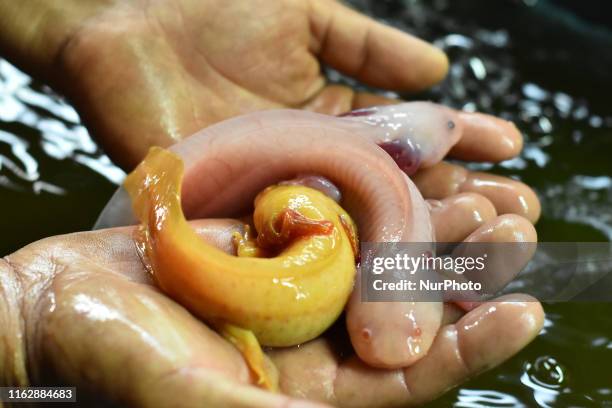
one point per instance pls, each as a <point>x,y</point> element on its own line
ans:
<point>285,286</point>
<point>228,164</point>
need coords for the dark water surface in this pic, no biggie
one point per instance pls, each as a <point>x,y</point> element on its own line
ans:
<point>544,64</point>
<point>53,178</point>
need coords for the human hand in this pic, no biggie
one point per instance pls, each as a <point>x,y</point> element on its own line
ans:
<point>147,348</point>
<point>162,114</point>
<point>91,317</point>
<point>152,73</point>
<point>227,164</point>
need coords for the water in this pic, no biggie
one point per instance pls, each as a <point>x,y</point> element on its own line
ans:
<point>53,178</point>
<point>528,61</point>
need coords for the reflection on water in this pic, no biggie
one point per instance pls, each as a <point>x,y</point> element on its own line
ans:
<point>486,398</point>
<point>61,134</point>
<point>544,376</point>
<point>54,179</point>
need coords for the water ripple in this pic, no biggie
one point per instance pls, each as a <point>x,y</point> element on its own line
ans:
<point>59,136</point>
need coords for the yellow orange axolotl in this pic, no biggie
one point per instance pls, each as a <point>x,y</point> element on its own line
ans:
<point>285,286</point>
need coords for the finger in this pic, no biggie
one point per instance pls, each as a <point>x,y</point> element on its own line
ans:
<point>457,216</point>
<point>509,228</point>
<point>487,138</point>
<point>509,244</point>
<point>338,99</point>
<point>372,52</point>
<point>332,100</point>
<point>479,340</point>
<point>507,195</point>
<point>482,339</point>
<point>366,99</point>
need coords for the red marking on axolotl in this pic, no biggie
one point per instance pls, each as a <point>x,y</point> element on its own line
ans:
<point>406,155</point>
